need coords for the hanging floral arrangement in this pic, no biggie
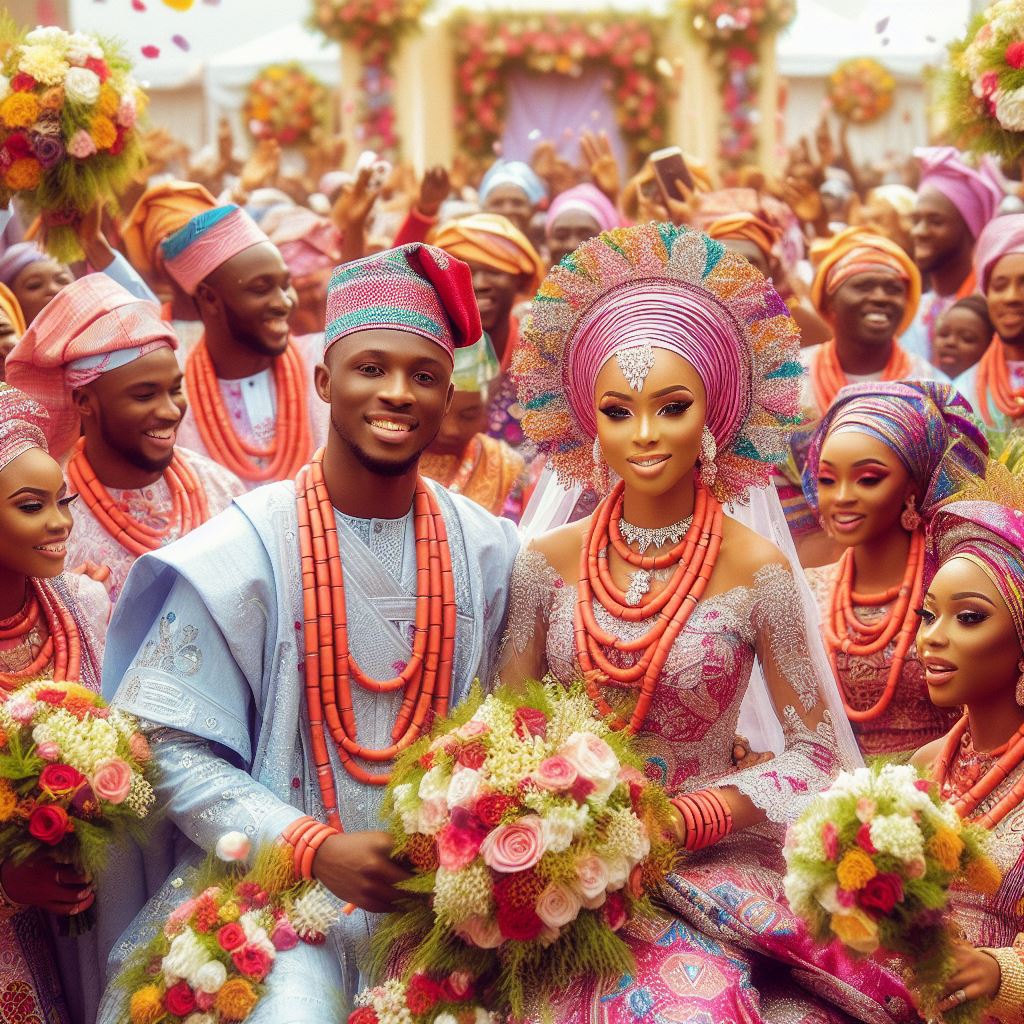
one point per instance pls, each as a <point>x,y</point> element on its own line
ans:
<point>722,21</point>
<point>285,102</point>
<point>861,90</point>
<point>983,83</point>
<point>488,45</point>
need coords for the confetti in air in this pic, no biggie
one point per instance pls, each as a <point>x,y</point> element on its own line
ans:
<point>138,5</point>
<point>181,42</point>
<point>882,25</point>
<point>179,5</point>
<point>151,52</point>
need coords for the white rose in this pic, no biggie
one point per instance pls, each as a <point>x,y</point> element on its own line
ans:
<point>86,43</point>
<point>594,760</point>
<point>464,787</point>
<point>432,817</point>
<point>82,86</point>
<point>186,957</point>
<point>558,905</point>
<point>1010,109</point>
<point>233,846</point>
<point>47,35</point>
<point>434,785</point>
<point>618,872</point>
<point>560,826</point>
<point>445,1018</point>
<point>200,1018</point>
<point>255,933</point>
<point>591,878</point>
<point>211,976</point>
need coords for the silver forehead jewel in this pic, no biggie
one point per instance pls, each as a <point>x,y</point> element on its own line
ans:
<point>635,363</point>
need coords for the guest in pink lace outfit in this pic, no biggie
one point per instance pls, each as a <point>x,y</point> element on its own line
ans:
<point>656,354</point>
<point>879,463</point>
<point>102,363</point>
<point>46,620</point>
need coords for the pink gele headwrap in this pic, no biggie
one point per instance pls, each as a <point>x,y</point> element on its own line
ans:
<point>81,333</point>
<point>21,424</point>
<point>666,315</point>
<point>588,199</point>
<point>975,192</point>
<point>1003,236</point>
<point>207,242</point>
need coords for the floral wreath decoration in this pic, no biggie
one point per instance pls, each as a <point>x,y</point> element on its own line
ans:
<point>768,339</point>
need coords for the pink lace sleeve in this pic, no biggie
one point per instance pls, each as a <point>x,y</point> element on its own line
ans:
<point>531,592</point>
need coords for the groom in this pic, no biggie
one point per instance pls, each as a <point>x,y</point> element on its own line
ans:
<point>207,644</point>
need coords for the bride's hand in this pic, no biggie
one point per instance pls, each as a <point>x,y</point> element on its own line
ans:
<point>976,975</point>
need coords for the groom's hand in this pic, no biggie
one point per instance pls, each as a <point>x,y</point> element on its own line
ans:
<point>357,867</point>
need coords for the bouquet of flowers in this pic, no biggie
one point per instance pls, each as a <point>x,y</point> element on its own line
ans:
<point>983,83</point>
<point>535,834</point>
<point>871,862</point>
<point>214,953</point>
<point>68,139</point>
<point>860,90</point>
<point>75,776</point>
<point>285,102</point>
<point>421,1000</point>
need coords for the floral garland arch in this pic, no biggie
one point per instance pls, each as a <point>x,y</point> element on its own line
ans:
<point>733,30</point>
<point>286,103</point>
<point>487,44</point>
<point>374,27</point>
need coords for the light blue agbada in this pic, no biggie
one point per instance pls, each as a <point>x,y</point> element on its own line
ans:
<point>205,647</point>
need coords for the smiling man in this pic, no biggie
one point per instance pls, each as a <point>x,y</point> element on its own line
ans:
<point>249,383</point>
<point>102,363</point>
<point>265,614</point>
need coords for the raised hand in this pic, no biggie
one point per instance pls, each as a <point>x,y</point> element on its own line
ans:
<point>596,150</point>
<point>262,167</point>
<point>434,190</point>
<point>350,212</point>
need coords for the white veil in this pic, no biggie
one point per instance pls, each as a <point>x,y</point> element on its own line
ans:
<point>552,505</point>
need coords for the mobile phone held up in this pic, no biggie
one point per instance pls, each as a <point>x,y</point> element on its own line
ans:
<point>380,169</point>
<point>673,176</point>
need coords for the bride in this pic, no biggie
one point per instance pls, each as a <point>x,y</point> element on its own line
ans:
<point>656,358</point>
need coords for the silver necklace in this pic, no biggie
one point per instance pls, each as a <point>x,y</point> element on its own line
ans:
<point>642,538</point>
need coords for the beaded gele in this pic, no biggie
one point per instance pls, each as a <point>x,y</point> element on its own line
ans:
<point>768,338</point>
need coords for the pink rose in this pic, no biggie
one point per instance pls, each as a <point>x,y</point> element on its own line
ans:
<point>916,868</point>
<point>112,780</point>
<point>558,905</point>
<point>591,879</point>
<point>472,730</point>
<point>459,842</point>
<point>593,759</point>
<point>457,987</point>
<point>864,838</point>
<point>845,898</point>
<point>555,774</point>
<point>514,847</point>
<point>830,840</point>
<point>482,932</point>
<point>81,145</point>
<point>48,751</point>
<point>21,709</point>
<point>866,808</point>
<point>433,815</point>
<point>139,746</point>
<point>529,722</point>
<point>284,935</point>
<point>205,1000</point>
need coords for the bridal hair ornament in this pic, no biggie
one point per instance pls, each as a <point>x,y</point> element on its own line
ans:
<point>660,286</point>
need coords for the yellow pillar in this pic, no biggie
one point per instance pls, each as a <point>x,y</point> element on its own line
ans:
<point>768,103</point>
<point>694,114</point>
<point>348,100</point>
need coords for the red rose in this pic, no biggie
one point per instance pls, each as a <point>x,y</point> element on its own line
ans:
<point>422,994</point>
<point>472,755</point>
<point>231,936</point>
<point>180,999</point>
<point>364,1015</point>
<point>252,962</point>
<point>864,838</point>
<point>882,893</point>
<point>49,824</point>
<point>98,67</point>
<point>492,807</point>
<point>518,922</point>
<point>115,150</point>
<point>530,722</point>
<point>614,911</point>
<point>18,145</point>
<point>427,762</point>
<point>22,82</point>
<point>60,779</point>
<point>581,789</point>
<point>1015,55</point>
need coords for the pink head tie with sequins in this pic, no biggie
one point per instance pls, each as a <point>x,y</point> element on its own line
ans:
<point>665,315</point>
<point>21,422</point>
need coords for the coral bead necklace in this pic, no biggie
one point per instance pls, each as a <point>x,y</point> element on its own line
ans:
<point>845,633</point>
<point>828,376</point>
<point>62,650</point>
<point>994,378</point>
<point>694,560</point>
<point>292,442</point>
<point>330,668</point>
<point>188,509</point>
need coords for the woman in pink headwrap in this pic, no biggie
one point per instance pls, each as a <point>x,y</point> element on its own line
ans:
<point>576,215</point>
<point>659,357</point>
<point>879,463</point>
<point>38,606</point>
<point>971,643</point>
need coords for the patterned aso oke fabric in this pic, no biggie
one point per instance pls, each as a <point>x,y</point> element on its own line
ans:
<point>674,289</point>
<point>926,423</point>
<point>415,288</point>
<point>161,210</point>
<point>20,424</point>
<point>207,242</point>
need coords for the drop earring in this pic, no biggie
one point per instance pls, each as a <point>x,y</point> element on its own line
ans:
<point>600,479</point>
<point>909,518</point>
<point>708,452</point>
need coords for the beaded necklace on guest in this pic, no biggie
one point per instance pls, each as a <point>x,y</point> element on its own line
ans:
<point>828,376</point>
<point>292,440</point>
<point>973,787</point>
<point>694,559</point>
<point>330,667</point>
<point>845,633</point>
<point>63,647</point>
<point>188,509</point>
<point>994,377</point>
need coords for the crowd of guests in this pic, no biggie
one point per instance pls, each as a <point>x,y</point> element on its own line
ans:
<point>182,365</point>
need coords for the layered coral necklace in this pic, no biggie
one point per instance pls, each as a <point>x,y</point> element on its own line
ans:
<point>290,448</point>
<point>994,379</point>
<point>961,777</point>
<point>62,649</point>
<point>188,503</point>
<point>425,681</point>
<point>693,559</point>
<point>828,376</point>
<point>845,633</point>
